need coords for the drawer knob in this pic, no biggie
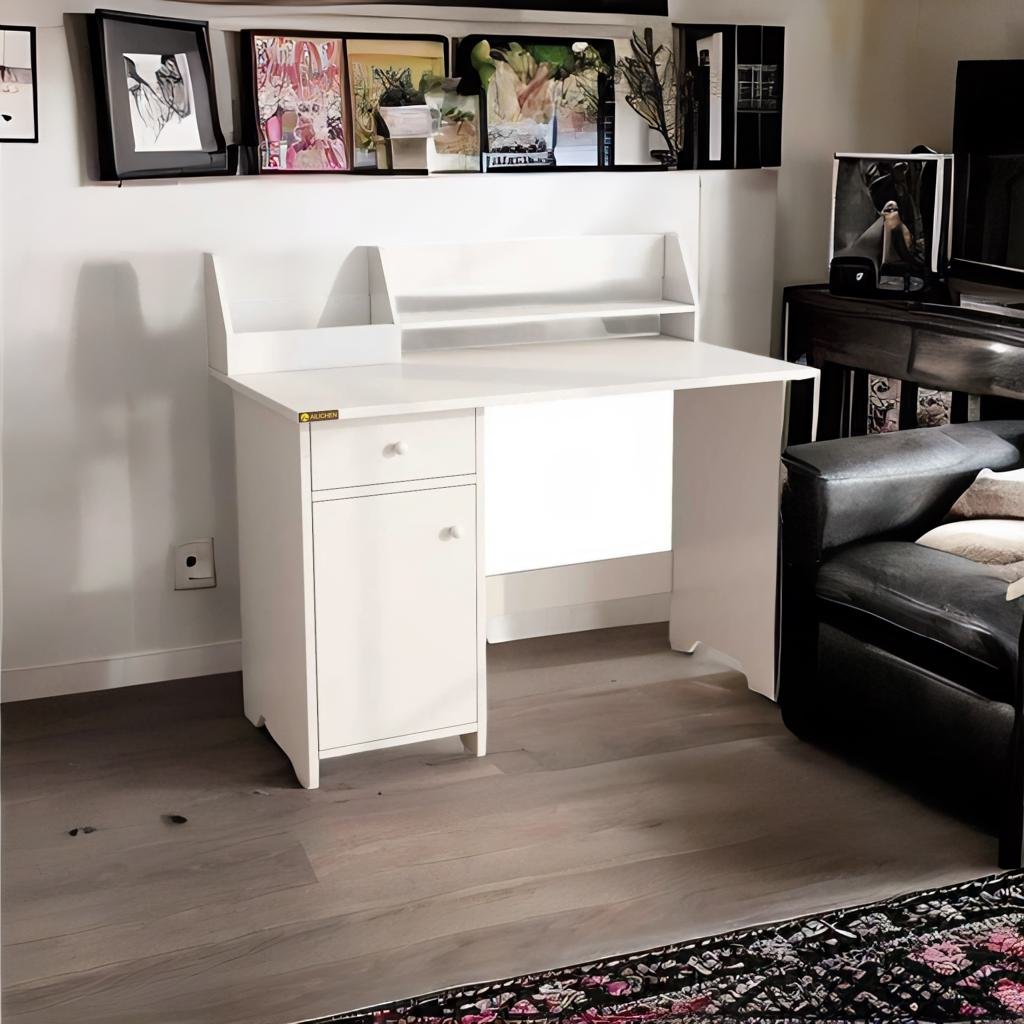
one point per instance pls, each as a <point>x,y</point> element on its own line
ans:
<point>400,448</point>
<point>455,532</point>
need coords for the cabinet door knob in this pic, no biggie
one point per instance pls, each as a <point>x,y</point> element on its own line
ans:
<point>455,532</point>
<point>399,447</point>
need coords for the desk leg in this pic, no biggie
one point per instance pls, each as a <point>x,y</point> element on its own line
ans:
<point>475,743</point>
<point>725,524</point>
<point>275,552</point>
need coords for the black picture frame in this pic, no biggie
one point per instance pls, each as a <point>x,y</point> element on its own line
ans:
<point>414,37</point>
<point>745,104</point>
<point>606,98</point>
<point>696,87</point>
<point>30,30</point>
<point>112,34</point>
<point>760,75</point>
<point>250,100</point>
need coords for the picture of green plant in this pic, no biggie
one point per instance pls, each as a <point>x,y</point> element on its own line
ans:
<point>545,100</point>
<point>457,138</point>
<point>388,72</point>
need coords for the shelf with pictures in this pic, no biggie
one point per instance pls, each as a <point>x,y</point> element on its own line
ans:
<point>883,405</point>
<point>316,102</point>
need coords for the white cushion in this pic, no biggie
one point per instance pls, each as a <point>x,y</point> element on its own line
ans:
<point>998,543</point>
<point>992,496</point>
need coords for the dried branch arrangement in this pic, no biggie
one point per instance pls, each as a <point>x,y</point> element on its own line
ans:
<point>652,81</point>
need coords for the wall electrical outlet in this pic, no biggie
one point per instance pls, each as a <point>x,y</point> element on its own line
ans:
<point>194,568</point>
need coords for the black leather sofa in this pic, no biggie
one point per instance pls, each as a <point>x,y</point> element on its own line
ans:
<point>905,656</point>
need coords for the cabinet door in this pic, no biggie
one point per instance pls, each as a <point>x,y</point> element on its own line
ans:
<point>396,622</point>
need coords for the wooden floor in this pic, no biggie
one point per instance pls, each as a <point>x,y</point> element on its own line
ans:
<point>633,797</point>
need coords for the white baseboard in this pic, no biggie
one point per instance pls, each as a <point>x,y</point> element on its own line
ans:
<point>573,598</point>
<point>126,670</point>
<point>541,602</point>
<point>575,618</point>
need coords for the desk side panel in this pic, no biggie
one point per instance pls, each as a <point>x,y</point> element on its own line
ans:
<point>276,569</point>
<point>725,524</point>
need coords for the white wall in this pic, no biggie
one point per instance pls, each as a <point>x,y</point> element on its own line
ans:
<point>115,444</point>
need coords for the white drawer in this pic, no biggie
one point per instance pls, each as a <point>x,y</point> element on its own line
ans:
<point>392,449</point>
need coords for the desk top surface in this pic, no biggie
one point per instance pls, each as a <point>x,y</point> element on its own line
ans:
<point>469,378</point>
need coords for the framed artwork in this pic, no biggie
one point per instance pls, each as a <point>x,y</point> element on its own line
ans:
<point>884,395</point>
<point>456,141</point>
<point>889,219</point>
<point>19,103</point>
<point>389,80</point>
<point>731,78</point>
<point>892,404</point>
<point>546,103</point>
<point>294,95</point>
<point>156,109</point>
<point>934,408</point>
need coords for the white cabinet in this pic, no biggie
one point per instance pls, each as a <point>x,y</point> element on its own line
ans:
<point>396,615</point>
<point>362,601</point>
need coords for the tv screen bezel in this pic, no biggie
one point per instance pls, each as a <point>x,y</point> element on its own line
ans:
<point>961,266</point>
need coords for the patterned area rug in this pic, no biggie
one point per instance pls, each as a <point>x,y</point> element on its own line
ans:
<point>946,955</point>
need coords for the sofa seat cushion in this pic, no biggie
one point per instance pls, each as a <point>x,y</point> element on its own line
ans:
<point>931,608</point>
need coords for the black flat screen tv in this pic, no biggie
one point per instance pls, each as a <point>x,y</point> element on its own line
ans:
<point>988,146</point>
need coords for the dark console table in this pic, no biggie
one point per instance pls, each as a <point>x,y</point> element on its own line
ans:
<point>923,344</point>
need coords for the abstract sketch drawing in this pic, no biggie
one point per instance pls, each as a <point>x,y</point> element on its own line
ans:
<point>162,104</point>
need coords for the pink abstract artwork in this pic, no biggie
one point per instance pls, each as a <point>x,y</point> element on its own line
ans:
<point>300,103</point>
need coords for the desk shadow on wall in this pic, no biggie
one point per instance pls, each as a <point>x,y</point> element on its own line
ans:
<point>145,414</point>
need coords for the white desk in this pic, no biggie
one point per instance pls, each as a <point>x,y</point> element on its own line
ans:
<point>362,380</point>
<point>362,615</point>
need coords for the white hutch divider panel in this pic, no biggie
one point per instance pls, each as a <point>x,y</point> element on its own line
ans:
<point>297,311</point>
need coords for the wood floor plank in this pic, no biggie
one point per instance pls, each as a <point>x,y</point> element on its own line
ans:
<point>633,797</point>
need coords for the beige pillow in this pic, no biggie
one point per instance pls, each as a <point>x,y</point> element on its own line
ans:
<point>998,543</point>
<point>992,496</point>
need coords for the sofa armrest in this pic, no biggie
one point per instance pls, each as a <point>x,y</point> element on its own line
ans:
<point>898,484</point>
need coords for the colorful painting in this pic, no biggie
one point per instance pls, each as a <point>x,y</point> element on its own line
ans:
<point>388,72</point>
<point>300,102</point>
<point>546,100</point>
<point>17,84</point>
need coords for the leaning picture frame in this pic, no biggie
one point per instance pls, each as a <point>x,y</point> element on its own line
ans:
<point>156,108</point>
<point>294,102</point>
<point>19,92</point>
<point>391,116</point>
<point>546,103</point>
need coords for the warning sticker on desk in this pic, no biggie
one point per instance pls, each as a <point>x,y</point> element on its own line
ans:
<point>319,416</point>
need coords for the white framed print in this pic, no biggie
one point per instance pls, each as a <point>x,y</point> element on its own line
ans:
<point>19,103</point>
